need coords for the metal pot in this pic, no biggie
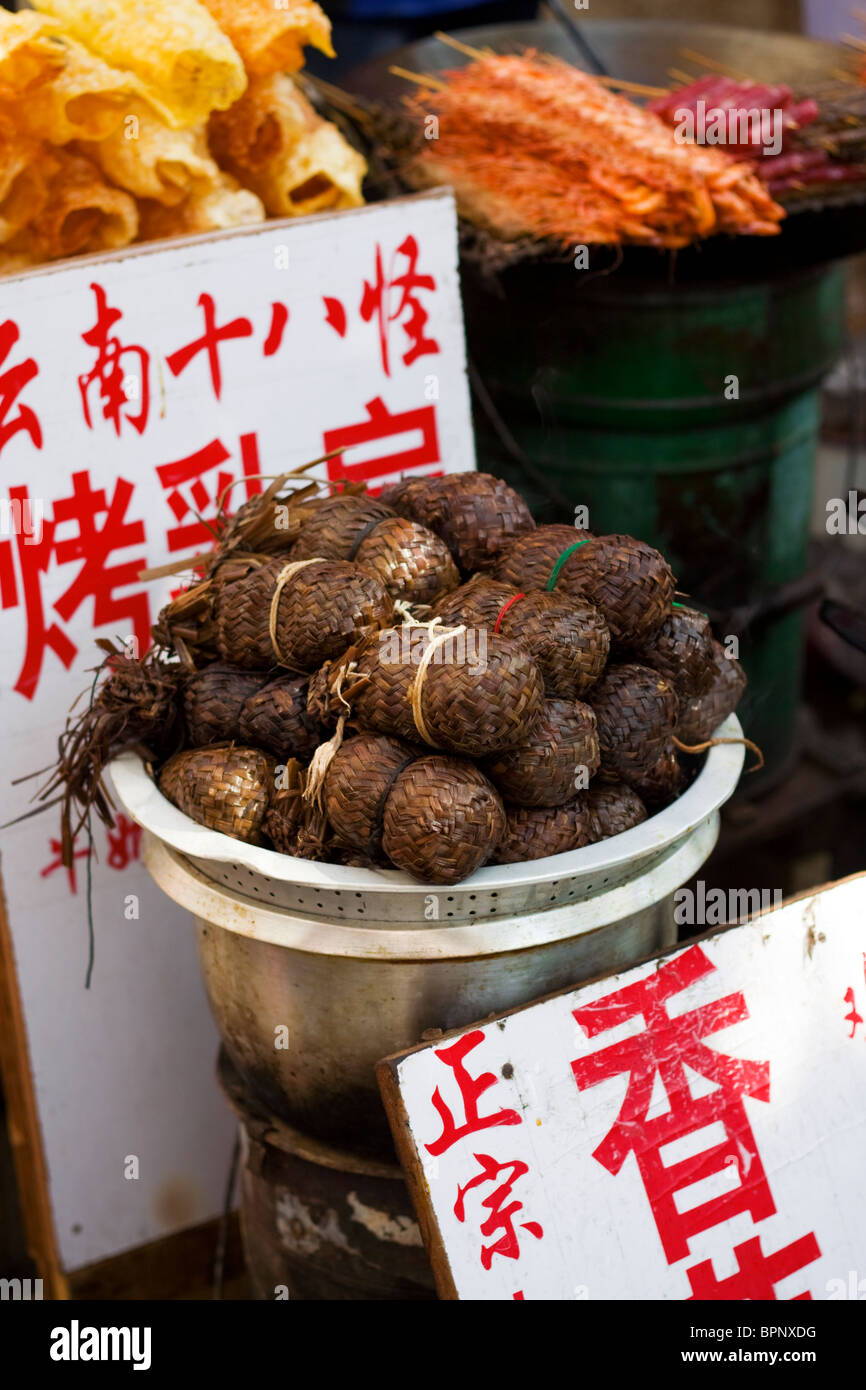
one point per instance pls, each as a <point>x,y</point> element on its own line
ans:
<point>345,966</point>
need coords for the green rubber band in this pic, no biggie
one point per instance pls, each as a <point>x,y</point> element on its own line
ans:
<point>554,573</point>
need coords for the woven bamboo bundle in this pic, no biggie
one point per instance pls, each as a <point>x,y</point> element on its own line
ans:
<point>358,783</point>
<point>663,782</point>
<point>186,625</point>
<point>276,719</point>
<point>224,787</point>
<point>293,825</point>
<point>475,514</point>
<point>536,832</point>
<point>553,762</point>
<point>298,614</point>
<point>411,561</point>
<point>699,718</point>
<point>213,700</point>
<point>629,581</point>
<point>461,690</point>
<point>636,709</point>
<point>442,820</point>
<point>530,561</point>
<point>567,639</point>
<point>611,809</point>
<point>682,651</point>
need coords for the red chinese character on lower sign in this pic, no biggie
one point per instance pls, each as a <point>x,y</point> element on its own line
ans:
<point>190,471</point>
<point>471,1090</point>
<point>108,373</point>
<point>409,312</point>
<point>501,1218</point>
<point>381,425</point>
<point>664,1049</point>
<point>12,383</point>
<point>90,545</point>
<point>757,1273</point>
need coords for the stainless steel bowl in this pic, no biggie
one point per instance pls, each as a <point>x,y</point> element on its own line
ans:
<point>350,965</point>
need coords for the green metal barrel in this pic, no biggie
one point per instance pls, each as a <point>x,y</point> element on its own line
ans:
<point>686,415</point>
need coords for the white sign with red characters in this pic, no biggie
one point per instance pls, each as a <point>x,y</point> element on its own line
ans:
<point>134,388</point>
<point>693,1128</point>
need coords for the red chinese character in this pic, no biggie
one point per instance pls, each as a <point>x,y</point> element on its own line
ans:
<point>108,371</point>
<point>500,1218</point>
<point>410,313</point>
<point>853,1018</point>
<point>381,425</point>
<point>90,546</point>
<point>57,863</point>
<point>335,315</point>
<point>757,1274</point>
<point>209,342</point>
<point>279,319</point>
<point>665,1047</point>
<point>471,1091</point>
<point>12,383</point>
<point>190,470</point>
<point>124,843</point>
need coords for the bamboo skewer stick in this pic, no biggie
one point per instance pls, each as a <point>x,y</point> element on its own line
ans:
<point>638,88</point>
<point>455,43</point>
<point>419,78</point>
<point>854,42</point>
<point>713,66</point>
<point>683,79</point>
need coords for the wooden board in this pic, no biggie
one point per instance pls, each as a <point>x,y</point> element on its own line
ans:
<point>693,1127</point>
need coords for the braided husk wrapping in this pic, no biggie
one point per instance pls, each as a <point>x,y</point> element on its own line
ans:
<point>480,693</point>
<point>568,640</point>
<point>323,608</point>
<point>682,650</point>
<point>549,767</point>
<point>275,718</point>
<point>443,819</point>
<point>612,808</point>
<point>529,561</point>
<point>213,700</point>
<point>332,530</point>
<point>628,580</point>
<point>699,718</point>
<point>357,785</point>
<point>411,561</point>
<point>475,514</point>
<point>536,832</point>
<point>636,709</point>
<point>293,825</point>
<point>223,787</point>
<point>663,782</point>
<point>186,625</point>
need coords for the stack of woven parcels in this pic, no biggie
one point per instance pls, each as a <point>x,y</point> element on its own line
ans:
<point>424,680</point>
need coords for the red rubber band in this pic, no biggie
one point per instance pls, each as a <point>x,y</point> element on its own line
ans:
<point>504,609</point>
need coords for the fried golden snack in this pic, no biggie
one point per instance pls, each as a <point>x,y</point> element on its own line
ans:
<point>275,143</point>
<point>82,212</point>
<point>26,166</point>
<point>270,37</point>
<point>29,52</point>
<point>13,262</point>
<point>151,160</point>
<point>187,64</point>
<point>84,100</point>
<point>225,204</point>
